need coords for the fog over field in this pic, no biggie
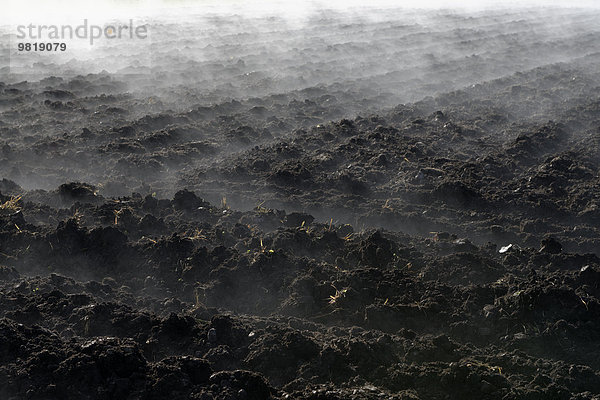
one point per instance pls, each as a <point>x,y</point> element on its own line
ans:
<point>299,200</point>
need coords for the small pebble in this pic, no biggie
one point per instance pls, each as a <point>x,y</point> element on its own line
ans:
<point>212,335</point>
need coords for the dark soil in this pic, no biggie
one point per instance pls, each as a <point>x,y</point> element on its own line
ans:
<point>291,246</point>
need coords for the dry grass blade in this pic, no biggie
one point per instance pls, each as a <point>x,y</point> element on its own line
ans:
<point>11,205</point>
<point>338,294</point>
